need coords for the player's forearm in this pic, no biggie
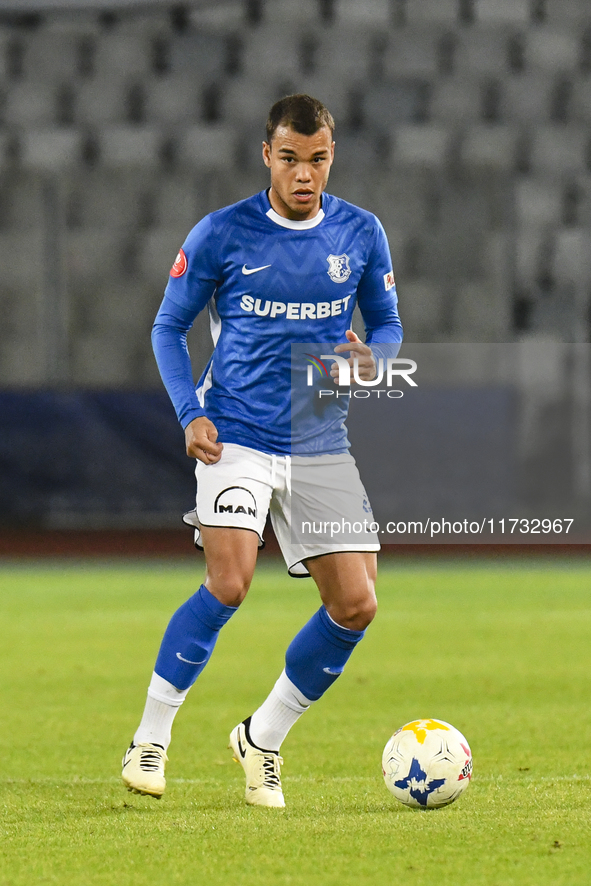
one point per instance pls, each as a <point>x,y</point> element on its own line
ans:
<point>385,337</point>
<point>169,341</point>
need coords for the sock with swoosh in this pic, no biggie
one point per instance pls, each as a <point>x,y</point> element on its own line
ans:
<point>318,654</point>
<point>190,637</point>
<point>314,659</point>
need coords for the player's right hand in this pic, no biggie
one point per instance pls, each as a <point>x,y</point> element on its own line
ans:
<point>201,441</point>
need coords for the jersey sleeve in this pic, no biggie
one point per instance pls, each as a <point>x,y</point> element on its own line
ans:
<point>377,299</point>
<point>193,280</point>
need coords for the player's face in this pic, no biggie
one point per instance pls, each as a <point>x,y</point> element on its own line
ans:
<point>299,167</point>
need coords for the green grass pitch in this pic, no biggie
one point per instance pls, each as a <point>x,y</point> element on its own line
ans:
<point>501,651</point>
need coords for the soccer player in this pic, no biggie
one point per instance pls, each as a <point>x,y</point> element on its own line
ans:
<point>285,266</point>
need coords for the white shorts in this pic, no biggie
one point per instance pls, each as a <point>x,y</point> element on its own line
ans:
<point>246,485</point>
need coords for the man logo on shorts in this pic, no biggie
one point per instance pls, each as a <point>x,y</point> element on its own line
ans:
<point>235,500</point>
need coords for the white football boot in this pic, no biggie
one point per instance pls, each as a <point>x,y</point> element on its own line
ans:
<point>262,769</point>
<point>143,769</point>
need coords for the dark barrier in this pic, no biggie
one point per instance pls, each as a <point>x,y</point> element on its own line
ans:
<point>92,460</point>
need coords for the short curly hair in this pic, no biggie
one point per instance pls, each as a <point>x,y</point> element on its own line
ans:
<point>301,112</point>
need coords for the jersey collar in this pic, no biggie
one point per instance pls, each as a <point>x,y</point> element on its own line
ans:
<point>304,225</point>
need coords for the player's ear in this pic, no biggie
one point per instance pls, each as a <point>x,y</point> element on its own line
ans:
<point>267,154</point>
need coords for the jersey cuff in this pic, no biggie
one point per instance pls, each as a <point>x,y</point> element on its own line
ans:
<point>190,416</point>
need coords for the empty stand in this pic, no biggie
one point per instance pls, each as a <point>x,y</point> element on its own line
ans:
<point>464,124</point>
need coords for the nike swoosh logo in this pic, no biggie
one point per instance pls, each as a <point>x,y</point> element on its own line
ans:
<point>247,271</point>
<point>178,655</point>
<point>242,752</point>
<point>330,671</point>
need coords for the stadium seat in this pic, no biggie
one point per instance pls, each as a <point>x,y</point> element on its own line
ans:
<point>436,11</point>
<point>108,199</point>
<point>345,52</point>
<point>553,315</point>
<point>208,147</point>
<point>527,97</point>
<point>303,14</point>
<point>198,53</point>
<point>411,52</point>
<point>502,11</point>
<point>568,12</point>
<point>572,256</point>
<point>531,244</point>
<point>333,91</point>
<point>268,52</point>
<point>482,51</point>
<point>455,100</point>
<point>176,202</point>
<point>559,149</point>
<point>581,102</point>
<point>50,150</point>
<point>123,55</point>
<point>21,364</point>
<point>157,251</point>
<point>480,313</point>
<point>421,306</point>
<point>422,145</point>
<point>54,52</point>
<point>21,201</point>
<point>101,101</point>
<point>18,274</point>
<point>93,254</point>
<point>373,13</point>
<point>399,101</point>
<point>173,100</point>
<point>30,104</point>
<point>538,202</point>
<point>550,48</point>
<point>246,100</point>
<point>135,146</point>
<point>491,146</point>
<point>103,360</point>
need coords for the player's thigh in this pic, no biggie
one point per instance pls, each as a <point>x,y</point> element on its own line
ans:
<point>230,558</point>
<point>346,582</point>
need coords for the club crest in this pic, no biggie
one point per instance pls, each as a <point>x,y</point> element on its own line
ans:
<point>338,268</point>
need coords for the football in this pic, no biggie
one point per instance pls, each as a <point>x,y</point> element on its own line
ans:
<point>427,764</point>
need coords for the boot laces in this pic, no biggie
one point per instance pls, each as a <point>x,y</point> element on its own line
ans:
<point>151,759</point>
<point>271,771</point>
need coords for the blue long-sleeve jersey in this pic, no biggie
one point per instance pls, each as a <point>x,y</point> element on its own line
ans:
<point>268,283</point>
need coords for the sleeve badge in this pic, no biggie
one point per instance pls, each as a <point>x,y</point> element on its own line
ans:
<point>389,281</point>
<point>180,265</point>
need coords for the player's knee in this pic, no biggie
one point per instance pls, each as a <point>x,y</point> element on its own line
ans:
<point>358,613</point>
<point>229,588</point>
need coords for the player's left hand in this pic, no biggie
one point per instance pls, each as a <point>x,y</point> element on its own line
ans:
<point>366,363</point>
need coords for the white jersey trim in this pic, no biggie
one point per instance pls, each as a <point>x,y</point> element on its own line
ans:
<point>294,225</point>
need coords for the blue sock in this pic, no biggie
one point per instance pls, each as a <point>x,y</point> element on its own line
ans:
<point>317,655</point>
<point>190,637</point>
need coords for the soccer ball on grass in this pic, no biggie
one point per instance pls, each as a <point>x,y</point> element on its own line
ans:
<point>427,763</point>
